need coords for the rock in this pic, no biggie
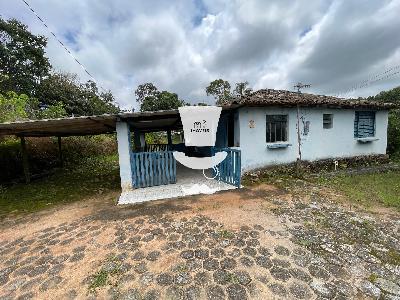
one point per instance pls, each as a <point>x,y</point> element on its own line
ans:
<point>264,262</point>
<point>141,268</point>
<point>152,295</point>
<point>192,293</point>
<point>300,275</point>
<point>217,252</point>
<point>174,293</point>
<point>236,292</point>
<point>153,255</point>
<point>243,277</point>
<point>202,278</point>
<point>228,263</point>
<point>388,286</point>
<point>210,264</point>
<point>369,289</point>
<point>182,278</point>
<point>264,251</point>
<point>215,292</point>
<point>299,291</point>
<point>250,251</point>
<point>165,279</point>
<point>281,263</point>
<point>318,272</point>
<point>201,253</point>
<point>282,251</point>
<point>146,278</point>
<point>323,289</point>
<point>50,283</point>
<point>280,274</point>
<point>247,261</point>
<point>222,277</point>
<point>187,254</point>
<point>278,289</point>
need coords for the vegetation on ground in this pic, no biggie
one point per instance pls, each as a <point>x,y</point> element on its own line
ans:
<point>371,189</point>
<point>91,176</point>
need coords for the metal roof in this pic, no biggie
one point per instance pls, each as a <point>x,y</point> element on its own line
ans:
<point>90,125</point>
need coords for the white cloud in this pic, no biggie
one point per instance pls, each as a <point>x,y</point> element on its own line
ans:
<point>182,45</point>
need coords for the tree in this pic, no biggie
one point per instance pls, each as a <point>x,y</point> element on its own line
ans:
<point>14,107</point>
<point>392,96</point>
<point>145,90</point>
<point>220,89</point>
<point>78,99</point>
<point>22,58</point>
<point>241,89</point>
<point>151,99</point>
<point>163,101</point>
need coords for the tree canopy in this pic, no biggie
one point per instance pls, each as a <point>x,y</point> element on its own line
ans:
<point>79,99</point>
<point>151,99</point>
<point>221,90</point>
<point>392,96</point>
<point>26,77</point>
<point>23,58</point>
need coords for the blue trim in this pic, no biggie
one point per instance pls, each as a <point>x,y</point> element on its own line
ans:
<point>153,168</point>
<point>230,168</point>
<point>278,145</point>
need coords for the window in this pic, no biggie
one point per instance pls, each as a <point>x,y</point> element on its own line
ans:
<point>364,124</point>
<point>276,128</point>
<point>327,121</point>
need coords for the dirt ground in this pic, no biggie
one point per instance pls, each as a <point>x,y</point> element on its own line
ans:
<point>253,243</point>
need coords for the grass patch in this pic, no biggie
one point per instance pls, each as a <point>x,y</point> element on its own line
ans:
<point>226,234</point>
<point>94,175</point>
<point>99,280</point>
<point>368,189</point>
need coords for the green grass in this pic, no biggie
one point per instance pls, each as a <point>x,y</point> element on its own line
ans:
<point>369,189</point>
<point>94,175</point>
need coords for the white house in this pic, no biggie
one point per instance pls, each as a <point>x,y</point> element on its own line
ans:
<point>266,128</point>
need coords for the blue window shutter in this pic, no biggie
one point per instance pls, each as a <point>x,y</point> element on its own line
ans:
<point>364,124</point>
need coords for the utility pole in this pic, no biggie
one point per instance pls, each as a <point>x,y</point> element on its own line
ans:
<point>299,86</point>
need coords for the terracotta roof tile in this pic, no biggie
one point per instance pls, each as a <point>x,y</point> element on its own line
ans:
<point>270,97</point>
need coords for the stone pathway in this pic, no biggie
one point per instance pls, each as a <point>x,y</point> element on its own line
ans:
<point>318,250</point>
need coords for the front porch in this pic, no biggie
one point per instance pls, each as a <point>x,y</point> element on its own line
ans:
<point>150,171</point>
<point>188,182</point>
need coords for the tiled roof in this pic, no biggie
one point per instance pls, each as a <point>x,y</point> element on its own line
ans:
<point>270,97</point>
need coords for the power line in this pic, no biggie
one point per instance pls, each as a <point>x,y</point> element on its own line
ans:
<point>62,44</point>
<point>392,71</point>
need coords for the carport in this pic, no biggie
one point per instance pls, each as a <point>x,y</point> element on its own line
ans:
<point>147,171</point>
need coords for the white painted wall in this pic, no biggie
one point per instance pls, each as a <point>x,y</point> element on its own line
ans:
<point>320,143</point>
<point>124,156</point>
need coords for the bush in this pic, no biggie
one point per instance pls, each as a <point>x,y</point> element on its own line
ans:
<point>43,153</point>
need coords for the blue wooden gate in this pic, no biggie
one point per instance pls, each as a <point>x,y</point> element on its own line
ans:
<point>153,168</point>
<point>230,168</point>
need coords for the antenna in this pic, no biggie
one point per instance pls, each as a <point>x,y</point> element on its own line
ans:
<point>300,86</point>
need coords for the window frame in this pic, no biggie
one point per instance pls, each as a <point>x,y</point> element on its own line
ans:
<point>330,123</point>
<point>268,124</point>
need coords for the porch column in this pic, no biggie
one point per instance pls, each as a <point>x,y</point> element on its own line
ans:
<point>169,137</point>
<point>136,140</point>
<point>124,155</point>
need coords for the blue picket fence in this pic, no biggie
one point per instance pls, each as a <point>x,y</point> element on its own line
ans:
<point>153,168</point>
<point>230,168</point>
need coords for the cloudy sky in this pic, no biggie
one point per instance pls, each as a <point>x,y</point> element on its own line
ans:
<point>183,45</point>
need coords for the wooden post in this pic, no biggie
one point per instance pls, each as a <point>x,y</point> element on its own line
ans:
<point>169,137</point>
<point>60,155</point>
<point>298,162</point>
<point>25,162</point>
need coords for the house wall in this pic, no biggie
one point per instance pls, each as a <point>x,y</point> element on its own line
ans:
<point>319,143</point>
